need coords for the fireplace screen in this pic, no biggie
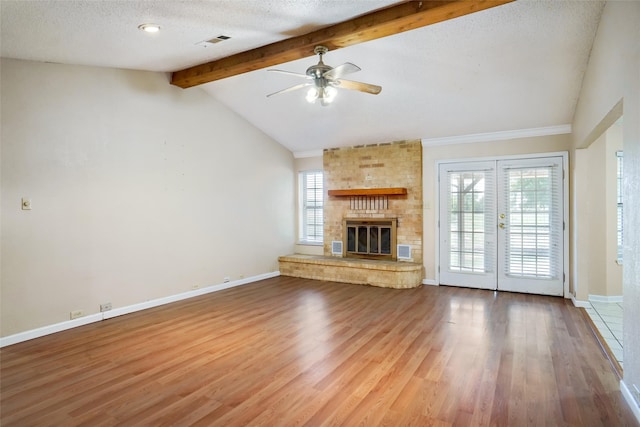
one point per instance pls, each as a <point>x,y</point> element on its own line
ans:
<point>372,239</point>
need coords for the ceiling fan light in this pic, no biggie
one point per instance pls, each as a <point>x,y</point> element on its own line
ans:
<point>329,94</point>
<point>312,94</point>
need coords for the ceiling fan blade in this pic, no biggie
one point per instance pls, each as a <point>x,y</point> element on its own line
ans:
<point>292,88</point>
<point>291,73</point>
<point>341,70</point>
<point>362,87</point>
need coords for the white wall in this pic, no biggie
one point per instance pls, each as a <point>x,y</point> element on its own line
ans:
<point>613,268</point>
<point>139,189</point>
<point>613,79</point>
<point>596,174</point>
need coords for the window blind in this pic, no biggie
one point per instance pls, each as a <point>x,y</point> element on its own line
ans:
<point>533,221</point>
<point>312,201</point>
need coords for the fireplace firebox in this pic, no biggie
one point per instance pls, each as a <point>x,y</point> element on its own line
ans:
<point>370,238</point>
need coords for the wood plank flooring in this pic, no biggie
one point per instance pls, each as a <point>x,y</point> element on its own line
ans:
<point>287,352</point>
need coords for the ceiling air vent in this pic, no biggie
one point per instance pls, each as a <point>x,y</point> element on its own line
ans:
<point>214,40</point>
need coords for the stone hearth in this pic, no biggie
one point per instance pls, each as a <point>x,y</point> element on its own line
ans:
<point>386,274</point>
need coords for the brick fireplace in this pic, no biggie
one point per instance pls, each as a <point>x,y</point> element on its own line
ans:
<point>394,167</point>
<point>369,191</point>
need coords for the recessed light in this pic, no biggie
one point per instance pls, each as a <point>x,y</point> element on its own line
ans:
<point>149,28</point>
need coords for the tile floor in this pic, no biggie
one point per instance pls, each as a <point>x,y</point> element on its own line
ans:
<point>607,316</point>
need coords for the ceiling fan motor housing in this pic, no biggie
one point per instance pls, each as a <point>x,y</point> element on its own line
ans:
<point>316,71</point>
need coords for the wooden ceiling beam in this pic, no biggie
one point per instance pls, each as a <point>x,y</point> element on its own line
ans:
<point>381,23</point>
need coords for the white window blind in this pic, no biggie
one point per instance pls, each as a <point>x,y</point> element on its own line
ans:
<point>534,222</point>
<point>312,204</point>
<point>619,158</point>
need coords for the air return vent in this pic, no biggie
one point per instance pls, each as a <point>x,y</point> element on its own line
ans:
<point>404,251</point>
<point>214,40</point>
<point>336,247</point>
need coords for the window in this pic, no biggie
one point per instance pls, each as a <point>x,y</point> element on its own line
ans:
<point>311,206</point>
<point>620,216</point>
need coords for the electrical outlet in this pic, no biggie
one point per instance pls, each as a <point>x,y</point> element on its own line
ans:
<point>227,279</point>
<point>194,287</point>
<point>105,307</point>
<point>26,204</point>
<point>75,314</point>
<point>242,276</point>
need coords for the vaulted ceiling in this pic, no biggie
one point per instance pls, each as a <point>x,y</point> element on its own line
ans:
<point>517,66</point>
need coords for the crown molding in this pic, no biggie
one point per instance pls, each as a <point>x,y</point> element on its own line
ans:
<point>497,136</point>
<point>471,138</point>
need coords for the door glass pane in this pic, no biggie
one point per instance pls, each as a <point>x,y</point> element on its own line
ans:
<point>530,221</point>
<point>467,222</point>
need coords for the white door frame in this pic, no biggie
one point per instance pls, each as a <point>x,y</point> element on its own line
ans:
<point>565,202</point>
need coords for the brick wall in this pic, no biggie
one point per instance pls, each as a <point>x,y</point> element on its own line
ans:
<point>397,164</point>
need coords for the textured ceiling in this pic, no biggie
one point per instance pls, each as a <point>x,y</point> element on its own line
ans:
<point>517,66</point>
<point>105,32</point>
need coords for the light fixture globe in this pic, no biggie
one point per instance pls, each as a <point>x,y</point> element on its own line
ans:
<point>312,95</point>
<point>329,94</point>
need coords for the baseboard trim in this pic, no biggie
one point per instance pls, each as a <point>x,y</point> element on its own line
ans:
<point>605,298</point>
<point>628,396</point>
<point>578,303</point>
<point>185,295</point>
<point>97,317</point>
<point>49,329</point>
<point>430,282</point>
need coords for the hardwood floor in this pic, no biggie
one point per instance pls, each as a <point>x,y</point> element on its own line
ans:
<point>289,352</point>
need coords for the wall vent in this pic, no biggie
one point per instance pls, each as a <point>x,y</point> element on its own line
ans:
<point>336,247</point>
<point>404,252</point>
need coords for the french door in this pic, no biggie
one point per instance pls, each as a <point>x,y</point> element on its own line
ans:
<point>501,225</point>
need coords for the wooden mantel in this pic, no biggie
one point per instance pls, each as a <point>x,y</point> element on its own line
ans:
<point>350,192</point>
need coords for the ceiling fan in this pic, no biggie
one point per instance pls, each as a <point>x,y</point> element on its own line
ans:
<point>323,80</point>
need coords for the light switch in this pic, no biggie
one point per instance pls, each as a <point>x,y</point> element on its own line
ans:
<point>26,204</point>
